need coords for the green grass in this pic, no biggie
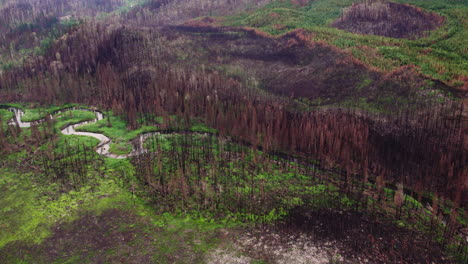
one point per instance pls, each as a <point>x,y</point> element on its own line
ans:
<point>20,211</point>
<point>28,212</point>
<point>73,117</point>
<point>202,128</point>
<point>120,148</point>
<point>117,132</point>
<point>442,55</point>
<point>121,135</point>
<point>5,116</point>
<point>65,142</point>
<point>290,16</point>
<point>31,208</point>
<point>34,114</point>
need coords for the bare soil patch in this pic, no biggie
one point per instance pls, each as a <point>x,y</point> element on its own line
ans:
<point>328,236</point>
<point>360,237</point>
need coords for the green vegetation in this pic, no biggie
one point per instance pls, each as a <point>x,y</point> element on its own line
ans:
<point>120,148</point>
<point>281,16</point>
<point>115,128</point>
<point>73,117</point>
<point>252,190</point>
<point>5,116</point>
<point>65,142</point>
<point>29,211</point>
<point>202,128</point>
<point>33,204</point>
<point>37,113</point>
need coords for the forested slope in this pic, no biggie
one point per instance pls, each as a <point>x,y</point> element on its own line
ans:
<point>367,100</point>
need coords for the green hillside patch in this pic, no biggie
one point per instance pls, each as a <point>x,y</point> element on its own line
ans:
<point>441,55</point>
<point>288,15</point>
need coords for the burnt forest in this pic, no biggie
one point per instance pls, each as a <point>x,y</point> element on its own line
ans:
<point>234,131</point>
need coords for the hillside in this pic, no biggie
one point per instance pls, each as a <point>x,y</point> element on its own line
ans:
<point>233,131</point>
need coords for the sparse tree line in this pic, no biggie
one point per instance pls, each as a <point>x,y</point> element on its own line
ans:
<point>218,177</point>
<point>16,13</point>
<point>64,162</point>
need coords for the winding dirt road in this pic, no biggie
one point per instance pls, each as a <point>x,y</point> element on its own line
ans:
<point>103,147</point>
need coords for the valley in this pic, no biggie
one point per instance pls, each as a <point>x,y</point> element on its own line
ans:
<point>233,131</point>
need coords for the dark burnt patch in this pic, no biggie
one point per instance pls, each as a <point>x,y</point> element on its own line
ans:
<point>108,238</point>
<point>293,65</point>
<point>92,234</point>
<point>359,235</point>
<point>120,49</point>
<point>388,19</point>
